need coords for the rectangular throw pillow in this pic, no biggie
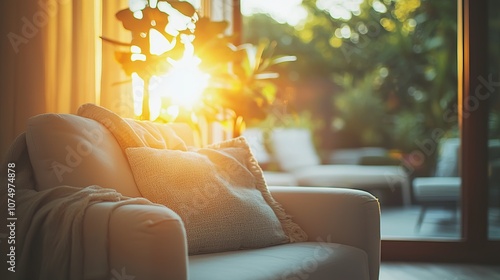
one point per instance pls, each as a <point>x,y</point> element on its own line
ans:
<point>218,191</point>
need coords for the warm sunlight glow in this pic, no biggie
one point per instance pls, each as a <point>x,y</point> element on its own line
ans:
<point>340,9</point>
<point>138,93</point>
<point>289,11</point>
<point>136,54</point>
<point>158,43</point>
<point>184,84</point>
<point>177,21</point>
<point>182,87</point>
<point>137,5</point>
<point>154,103</point>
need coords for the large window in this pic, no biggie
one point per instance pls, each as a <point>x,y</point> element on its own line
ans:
<point>390,74</point>
<point>377,82</point>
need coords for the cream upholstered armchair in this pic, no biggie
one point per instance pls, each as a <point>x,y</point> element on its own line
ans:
<point>82,211</point>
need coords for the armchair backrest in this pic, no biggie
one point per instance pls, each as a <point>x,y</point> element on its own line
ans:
<point>71,150</point>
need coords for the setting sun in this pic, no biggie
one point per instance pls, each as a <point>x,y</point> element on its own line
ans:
<point>181,87</point>
<point>184,84</point>
<point>166,83</point>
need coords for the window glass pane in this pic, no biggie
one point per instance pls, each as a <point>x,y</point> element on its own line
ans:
<point>375,83</point>
<point>493,82</point>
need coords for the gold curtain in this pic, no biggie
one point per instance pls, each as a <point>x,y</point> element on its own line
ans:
<point>70,42</point>
<point>53,60</point>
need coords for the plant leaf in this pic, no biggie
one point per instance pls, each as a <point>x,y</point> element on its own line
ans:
<point>115,42</point>
<point>266,75</point>
<point>285,58</point>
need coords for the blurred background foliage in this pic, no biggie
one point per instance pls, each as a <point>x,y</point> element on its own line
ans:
<point>375,73</point>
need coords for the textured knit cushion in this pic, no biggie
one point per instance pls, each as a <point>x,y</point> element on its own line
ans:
<point>218,191</point>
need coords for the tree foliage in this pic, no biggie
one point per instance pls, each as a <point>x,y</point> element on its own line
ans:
<point>400,60</point>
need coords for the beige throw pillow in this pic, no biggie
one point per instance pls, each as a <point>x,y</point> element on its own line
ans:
<point>218,191</point>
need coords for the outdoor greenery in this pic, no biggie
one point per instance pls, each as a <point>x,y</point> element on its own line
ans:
<point>385,77</point>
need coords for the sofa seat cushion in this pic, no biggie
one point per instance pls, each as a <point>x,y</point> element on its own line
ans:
<point>307,260</point>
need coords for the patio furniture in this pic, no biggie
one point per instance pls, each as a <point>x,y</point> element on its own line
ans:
<point>294,151</point>
<point>443,190</point>
<point>256,141</point>
<point>358,156</point>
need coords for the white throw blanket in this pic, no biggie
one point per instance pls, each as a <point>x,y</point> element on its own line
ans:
<point>49,225</point>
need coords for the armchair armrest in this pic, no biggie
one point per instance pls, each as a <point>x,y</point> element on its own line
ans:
<point>344,216</point>
<point>144,241</point>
